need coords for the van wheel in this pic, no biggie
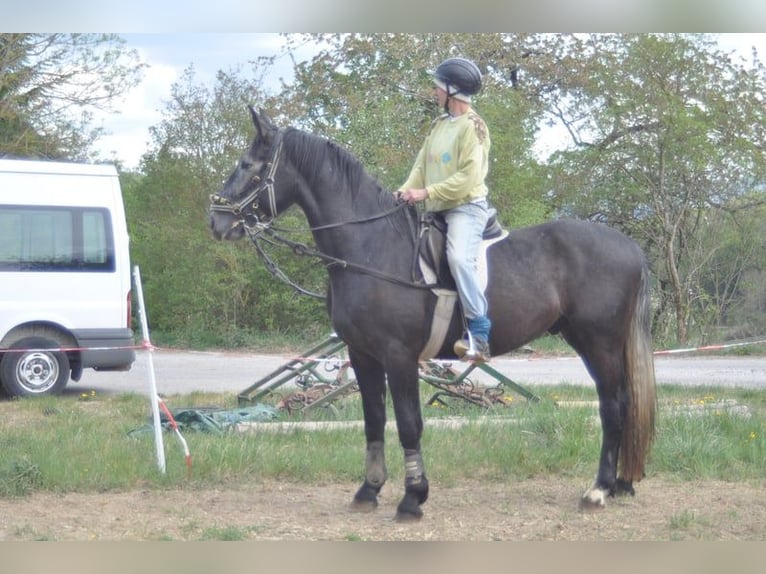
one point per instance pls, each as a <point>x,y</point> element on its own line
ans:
<point>34,371</point>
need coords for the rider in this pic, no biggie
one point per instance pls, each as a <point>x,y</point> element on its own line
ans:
<point>449,174</point>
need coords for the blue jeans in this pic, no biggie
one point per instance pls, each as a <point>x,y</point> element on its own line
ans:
<point>465,226</point>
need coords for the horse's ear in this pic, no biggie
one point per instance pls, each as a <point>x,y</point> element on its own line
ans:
<point>256,121</point>
<point>262,122</point>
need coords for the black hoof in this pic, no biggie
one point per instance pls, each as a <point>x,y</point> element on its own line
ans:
<point>363,506</point>
<point>405,518</point>
<point>415,494</point>
<point>366,498</point>
<point>408,509</point>
<point>623,487</point>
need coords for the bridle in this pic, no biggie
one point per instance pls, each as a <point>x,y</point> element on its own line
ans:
<point>247,209</point>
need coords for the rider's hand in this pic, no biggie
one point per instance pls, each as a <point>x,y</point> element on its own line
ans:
<point>413,195</point>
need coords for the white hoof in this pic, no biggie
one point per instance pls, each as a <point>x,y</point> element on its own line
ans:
<point>593,499</point>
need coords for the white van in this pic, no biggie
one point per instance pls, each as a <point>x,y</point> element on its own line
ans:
<point>65,301</point>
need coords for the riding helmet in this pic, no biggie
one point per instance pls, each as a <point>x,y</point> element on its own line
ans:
<point>459,76</point>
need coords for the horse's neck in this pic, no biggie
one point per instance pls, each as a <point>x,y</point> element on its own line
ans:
<point>337,197</point>
<point>359,231</point>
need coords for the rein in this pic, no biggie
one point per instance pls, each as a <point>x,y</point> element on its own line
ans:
<point>305,250</point>
<point>245,210</point>
<point>363,220</point>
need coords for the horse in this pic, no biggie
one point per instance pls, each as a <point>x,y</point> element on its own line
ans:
<point>582,280</point>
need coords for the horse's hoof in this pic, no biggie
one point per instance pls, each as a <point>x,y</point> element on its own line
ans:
<point>409,508</point>
<point>623,488</point>
<point>594,499</point>
<point>366,498</point>
<point>363,506</point>
<point>406,517</point>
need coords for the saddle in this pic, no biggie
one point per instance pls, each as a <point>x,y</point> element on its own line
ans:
<point>432,267</point>
<point>432,254</point>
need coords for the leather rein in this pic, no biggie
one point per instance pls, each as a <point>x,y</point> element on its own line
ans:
<point>247,210</point>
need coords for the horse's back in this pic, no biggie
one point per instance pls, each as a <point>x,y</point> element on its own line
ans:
<point>577,249</point>
<point>564,272</point>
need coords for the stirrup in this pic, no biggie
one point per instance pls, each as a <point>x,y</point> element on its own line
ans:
<point>470,350</point>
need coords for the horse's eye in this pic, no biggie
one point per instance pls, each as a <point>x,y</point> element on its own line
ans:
<point>245,165</point>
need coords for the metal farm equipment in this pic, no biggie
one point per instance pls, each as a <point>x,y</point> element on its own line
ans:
<point>322,374</point>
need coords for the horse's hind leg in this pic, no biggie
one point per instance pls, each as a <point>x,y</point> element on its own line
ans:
<point>604,361</point>
<point>613,403</point>
<point>372,386</point>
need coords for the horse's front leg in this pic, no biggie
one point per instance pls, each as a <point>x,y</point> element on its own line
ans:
<point>371,380</point>
<point>403,380</point>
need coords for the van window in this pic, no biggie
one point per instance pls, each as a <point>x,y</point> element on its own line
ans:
<point>50,238</point>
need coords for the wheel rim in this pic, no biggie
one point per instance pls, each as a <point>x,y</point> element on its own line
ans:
<point>37,372</point>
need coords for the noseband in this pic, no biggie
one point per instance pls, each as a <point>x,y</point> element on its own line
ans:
<point>247,208</point>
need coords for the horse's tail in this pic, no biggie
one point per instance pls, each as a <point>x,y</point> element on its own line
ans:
<point>638,430</point>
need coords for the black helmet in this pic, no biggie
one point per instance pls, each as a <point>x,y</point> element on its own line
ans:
<point>461,74</point>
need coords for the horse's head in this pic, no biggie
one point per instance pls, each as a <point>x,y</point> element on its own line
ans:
<point>246,202</point>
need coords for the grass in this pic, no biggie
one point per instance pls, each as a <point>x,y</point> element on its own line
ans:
<point>71,444</point>
<point>225,534</point>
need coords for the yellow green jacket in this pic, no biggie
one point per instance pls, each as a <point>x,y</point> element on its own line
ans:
<point>453,162</point>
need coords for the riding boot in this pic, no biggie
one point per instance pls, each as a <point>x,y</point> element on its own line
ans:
<point>475,346</point>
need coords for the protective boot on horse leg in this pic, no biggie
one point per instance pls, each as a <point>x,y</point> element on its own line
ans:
<point>376,474</point>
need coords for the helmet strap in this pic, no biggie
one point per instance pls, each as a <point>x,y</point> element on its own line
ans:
<point>449,93</point>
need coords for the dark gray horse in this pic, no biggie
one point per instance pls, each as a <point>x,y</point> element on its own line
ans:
<point>583,280</point>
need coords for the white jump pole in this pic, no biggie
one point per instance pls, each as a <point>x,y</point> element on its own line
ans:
<point>152,381</point>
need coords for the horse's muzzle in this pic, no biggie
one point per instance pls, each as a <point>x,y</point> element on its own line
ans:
<point>226,227</point>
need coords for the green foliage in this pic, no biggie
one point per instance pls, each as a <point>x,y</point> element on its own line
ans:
<point>44,77</point>
<point>516,180</point>
<point>19,477</point>
<point>667,138</point>
<point>731,443</point>
<point>666,129</point>
<point>200,292</point>
<point>656,151</point>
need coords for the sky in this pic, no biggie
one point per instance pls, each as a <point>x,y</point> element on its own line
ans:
<point>169,54</point>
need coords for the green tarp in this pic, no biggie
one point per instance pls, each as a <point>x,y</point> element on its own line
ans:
<point>213,420</point>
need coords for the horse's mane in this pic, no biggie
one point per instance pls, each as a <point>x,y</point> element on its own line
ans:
<point>310,150</point>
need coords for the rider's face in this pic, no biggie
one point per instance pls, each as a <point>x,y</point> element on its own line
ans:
<point>440,95</point>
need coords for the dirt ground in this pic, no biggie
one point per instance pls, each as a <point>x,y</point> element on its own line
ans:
<point>534,510</point>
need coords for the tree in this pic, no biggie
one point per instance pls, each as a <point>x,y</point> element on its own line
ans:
<point>49,85</point>
<point>665,128</point>
<point>203,291</point>
<point>373,94</point>
<point>667,144</point>
<point>729,261</point>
